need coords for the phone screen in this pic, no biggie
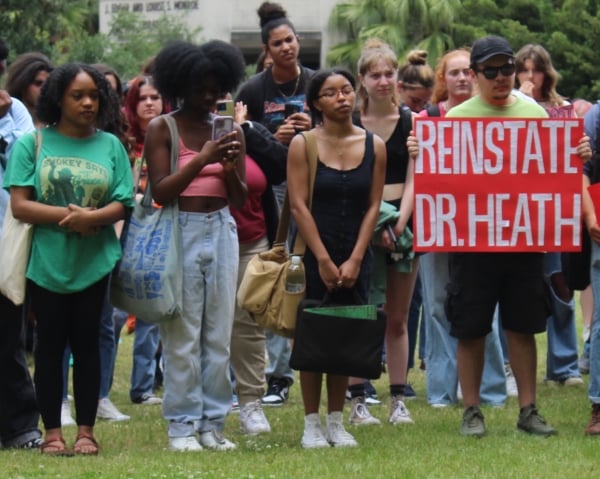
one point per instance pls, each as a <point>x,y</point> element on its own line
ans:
<point>221,126</point>
<point>292,107</point>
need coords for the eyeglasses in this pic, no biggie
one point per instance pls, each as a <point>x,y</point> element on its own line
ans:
<point>347,90</point>
<point>491,72</point>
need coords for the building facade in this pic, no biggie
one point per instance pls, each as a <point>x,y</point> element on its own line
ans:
<point>236,21</point>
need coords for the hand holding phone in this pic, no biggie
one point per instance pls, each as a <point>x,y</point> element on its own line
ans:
<point>221,126</point>
<point>293,107</point>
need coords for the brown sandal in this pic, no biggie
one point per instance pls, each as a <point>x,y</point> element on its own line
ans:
<point>55,446</point>
<point>86,444</point>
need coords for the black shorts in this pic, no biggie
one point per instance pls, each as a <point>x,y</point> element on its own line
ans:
<point>479,281</point>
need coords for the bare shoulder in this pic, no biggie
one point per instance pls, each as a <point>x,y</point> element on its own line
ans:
<point>157,126</point>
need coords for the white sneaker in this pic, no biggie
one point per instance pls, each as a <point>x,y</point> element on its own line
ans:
<point>215,440</point>
<point>336,434</point>
<point>313,436</point>
<point>573,381</point>
<point>511,383</point>
<point>107,410</point>
<point>360,414</point>
<point>65,414</point>
<point>398,412</point>
<point>187,443</point>
<point>253,420</point>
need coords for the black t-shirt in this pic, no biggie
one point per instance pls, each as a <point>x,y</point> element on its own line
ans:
<point>266,99</point>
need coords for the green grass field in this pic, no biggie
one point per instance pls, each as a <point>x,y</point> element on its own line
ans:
<point>431,448</point>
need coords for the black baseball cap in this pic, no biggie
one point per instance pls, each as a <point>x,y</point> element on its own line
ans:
<point>487,47</point>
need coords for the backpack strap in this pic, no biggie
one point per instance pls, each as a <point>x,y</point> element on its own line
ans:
<point>406,119</point>
<point>433,110</point>
<point>174,133</point>
<point>284,218</point>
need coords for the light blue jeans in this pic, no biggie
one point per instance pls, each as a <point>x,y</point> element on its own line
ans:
<point>145,343</point>
<point>279,351</point>
<point>440,347</point>
<point>197,386</point>
<point>561,359</point>
<point>594,387</point>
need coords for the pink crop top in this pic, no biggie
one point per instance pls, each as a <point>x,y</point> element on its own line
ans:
<point>210,180</point>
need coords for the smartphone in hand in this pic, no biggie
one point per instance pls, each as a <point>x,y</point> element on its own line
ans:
<point>221,126</point>
<point>293,107</point>
<point>225,108</point>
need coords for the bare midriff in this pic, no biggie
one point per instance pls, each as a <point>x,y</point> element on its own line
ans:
<point>201,204</point>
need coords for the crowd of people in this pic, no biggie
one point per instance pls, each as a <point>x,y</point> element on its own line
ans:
<point>77,144</point>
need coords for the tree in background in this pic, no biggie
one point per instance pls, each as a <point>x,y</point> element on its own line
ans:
<point>124,48</point>
<point>67,31</point>
<point>568,29</point>
<point>36,25</point>
<point>404,24</point>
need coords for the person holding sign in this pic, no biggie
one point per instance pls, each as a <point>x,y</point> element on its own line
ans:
<point>453,85</point>
<point>483,279</point>
<point>537,78</point>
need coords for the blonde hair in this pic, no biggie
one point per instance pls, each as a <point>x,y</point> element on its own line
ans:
<point>440,90</point>
<point>416,73</point>
<point>373,51</point>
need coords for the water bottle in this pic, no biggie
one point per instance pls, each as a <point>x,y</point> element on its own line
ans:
<point>294,278</point>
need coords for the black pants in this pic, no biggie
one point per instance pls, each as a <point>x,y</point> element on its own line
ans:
<point>72,318</point>
<point>18,410</point>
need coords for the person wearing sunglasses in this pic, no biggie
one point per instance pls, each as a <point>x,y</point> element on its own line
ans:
<point>513,281</point>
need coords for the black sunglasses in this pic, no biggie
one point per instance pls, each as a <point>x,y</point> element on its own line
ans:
<point>491,72</point>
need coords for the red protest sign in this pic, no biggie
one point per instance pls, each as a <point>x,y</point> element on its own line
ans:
<point>509,184</point>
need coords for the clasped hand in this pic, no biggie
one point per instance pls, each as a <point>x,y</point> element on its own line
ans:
<point>78,220</point>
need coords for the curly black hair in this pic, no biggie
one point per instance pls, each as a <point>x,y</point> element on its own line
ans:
<point>181,66</point>
<point>49,105</point>
<point>315,84</point>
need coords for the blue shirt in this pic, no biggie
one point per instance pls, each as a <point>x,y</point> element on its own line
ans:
<point>13,125</point>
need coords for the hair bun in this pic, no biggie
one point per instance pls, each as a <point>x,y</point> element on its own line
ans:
<point>270,11</point>
<point>417,57</point>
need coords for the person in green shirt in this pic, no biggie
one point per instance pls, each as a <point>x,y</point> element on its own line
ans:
<point>73,182</point>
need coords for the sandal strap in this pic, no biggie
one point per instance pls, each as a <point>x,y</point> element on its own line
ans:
<point>49,440</point>
<point>86,435</point>
<point>89,437</point>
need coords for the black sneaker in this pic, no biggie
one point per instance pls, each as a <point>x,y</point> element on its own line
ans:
<point>277,392</point>
<point>409,392</point>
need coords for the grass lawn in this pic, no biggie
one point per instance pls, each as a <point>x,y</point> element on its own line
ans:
<point>431,448</point>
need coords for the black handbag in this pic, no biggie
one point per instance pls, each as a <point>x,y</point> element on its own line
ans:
<point>345,340</point>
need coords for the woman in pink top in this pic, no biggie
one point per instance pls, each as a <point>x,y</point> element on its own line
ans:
<point>211,176</point>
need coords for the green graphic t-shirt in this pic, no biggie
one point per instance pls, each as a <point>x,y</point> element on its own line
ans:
<point>88,172</point>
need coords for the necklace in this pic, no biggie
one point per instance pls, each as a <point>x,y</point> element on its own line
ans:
<point>299,72</point>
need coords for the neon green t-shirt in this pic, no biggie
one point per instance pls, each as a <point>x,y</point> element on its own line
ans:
<point>88,172</point>
<point>475,107</point>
